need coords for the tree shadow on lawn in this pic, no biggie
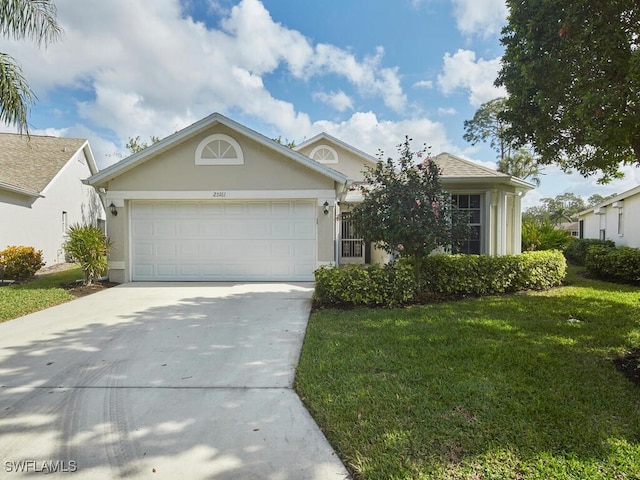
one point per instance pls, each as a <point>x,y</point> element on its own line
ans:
<point>530,376</point>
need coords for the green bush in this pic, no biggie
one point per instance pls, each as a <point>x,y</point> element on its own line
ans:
<point>619,264</point>
<point>438,277</point>
<point>461,275</point>
<point>576,251</point>
<point>543,235</point>
<point>20,263</point>
<point>88,246</point>
<point>392,284</point>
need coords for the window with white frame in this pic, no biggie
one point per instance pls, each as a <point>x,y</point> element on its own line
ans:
<point>324,154</point>
<point>219,149</point>
<point>472,205</point>
<point>620,222</point>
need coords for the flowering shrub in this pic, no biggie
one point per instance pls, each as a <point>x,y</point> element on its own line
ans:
<point>20,263</point>
<point>438,277</point>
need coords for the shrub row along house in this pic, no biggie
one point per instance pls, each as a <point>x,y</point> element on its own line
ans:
<point>219,201</point>
<point>42,192</point>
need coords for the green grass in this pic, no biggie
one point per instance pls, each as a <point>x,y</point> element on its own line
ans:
<point>43,292</point>
<point>494,387</point>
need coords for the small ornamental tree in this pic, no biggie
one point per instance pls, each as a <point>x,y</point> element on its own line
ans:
<point>405,210</point>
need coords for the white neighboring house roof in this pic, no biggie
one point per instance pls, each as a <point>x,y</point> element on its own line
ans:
<point>117,169</point>
<point>609,201</point>
<point>29,164</point>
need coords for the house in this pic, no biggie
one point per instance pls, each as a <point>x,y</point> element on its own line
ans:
<point>218,201</point>
<point>42,191</point>
<point>614,219</point>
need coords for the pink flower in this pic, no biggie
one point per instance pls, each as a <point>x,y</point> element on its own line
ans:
<point>400,247</point>
<point>418,202</point>
<point>419,154</point>
<point>435,204</point>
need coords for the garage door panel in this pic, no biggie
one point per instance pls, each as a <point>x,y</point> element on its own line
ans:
<point>261,240</point>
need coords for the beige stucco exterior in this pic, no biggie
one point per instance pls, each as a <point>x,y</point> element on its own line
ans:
<point>259,169</point>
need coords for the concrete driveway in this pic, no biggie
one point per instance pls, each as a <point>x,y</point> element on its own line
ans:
<point>151,380</point>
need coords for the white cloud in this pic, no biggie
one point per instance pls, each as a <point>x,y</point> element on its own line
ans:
<point>423,84</point>
<point>366,132</point>
<point>145,69</point>
<point>447,111</point>
<point>338,100</point>
<point>480,17</point>
<point>461,71</point>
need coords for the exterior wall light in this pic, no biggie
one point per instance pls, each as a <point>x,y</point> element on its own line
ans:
<point>326,207</point>
<point>113,210</point>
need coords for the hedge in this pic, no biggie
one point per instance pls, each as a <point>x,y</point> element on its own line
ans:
<point>437,277</point>
<point>576,251</point>
<point>619,264</point>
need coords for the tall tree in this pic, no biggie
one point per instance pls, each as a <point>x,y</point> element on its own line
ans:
<point>136,144</point>
<point>405,210</point>
<point>487,125</point>
<point>22,19</point>
<point>572,70</point>
<point>521,164</point>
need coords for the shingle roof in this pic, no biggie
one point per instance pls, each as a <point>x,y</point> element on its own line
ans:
<point>30,163</point>
<point>452,166</point>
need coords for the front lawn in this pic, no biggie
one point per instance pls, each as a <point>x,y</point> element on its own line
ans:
<point>516,386</point>
<point>43,292</point>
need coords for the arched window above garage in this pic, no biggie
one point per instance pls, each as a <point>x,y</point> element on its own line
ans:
<point>219,149</point>
<point>324,154</point>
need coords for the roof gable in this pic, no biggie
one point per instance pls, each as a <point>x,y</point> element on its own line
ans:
<point>195,129</point>
<point>28,164</point>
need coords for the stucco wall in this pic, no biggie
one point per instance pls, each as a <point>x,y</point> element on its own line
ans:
<point>609,220</point>
<point>348,163</point>
<point>39,223</point>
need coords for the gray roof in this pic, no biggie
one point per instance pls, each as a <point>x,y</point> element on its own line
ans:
<point>29,163</point>
<point>454,168</point>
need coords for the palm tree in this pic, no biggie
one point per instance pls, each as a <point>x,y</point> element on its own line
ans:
<point>522,165</point>
<point>22,19</point>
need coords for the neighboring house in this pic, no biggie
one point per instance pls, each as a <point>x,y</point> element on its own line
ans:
<point>572,227</point>
<point>42,191</point>
<point>219,201</point>
<point>614,219</point>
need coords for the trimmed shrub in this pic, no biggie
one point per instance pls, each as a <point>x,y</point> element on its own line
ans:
<point>392,284</point>
<point>576,251</point>
<point>438,277</point>
<point>619,264</point>
<point>21,263</point>
<point>474,275</point>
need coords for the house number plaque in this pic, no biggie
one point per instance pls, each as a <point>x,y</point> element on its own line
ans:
<point>219,194</point>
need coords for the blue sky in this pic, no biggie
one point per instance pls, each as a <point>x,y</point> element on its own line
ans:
<point>366,71</point>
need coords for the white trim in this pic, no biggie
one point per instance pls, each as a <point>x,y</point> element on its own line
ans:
<point>219,137</point>
<point>119,196</point>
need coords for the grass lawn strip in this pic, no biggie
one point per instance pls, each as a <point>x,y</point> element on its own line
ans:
<point>519,386</point>
<point>43,292</point>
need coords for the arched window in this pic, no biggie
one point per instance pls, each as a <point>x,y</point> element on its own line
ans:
<point>324,154</point>
<point>219,149</point>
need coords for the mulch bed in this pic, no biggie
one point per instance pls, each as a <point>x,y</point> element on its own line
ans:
<point>629,364</point>
<point>78,290</point>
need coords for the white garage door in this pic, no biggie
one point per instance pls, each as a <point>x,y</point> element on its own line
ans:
<point>223,240</point>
